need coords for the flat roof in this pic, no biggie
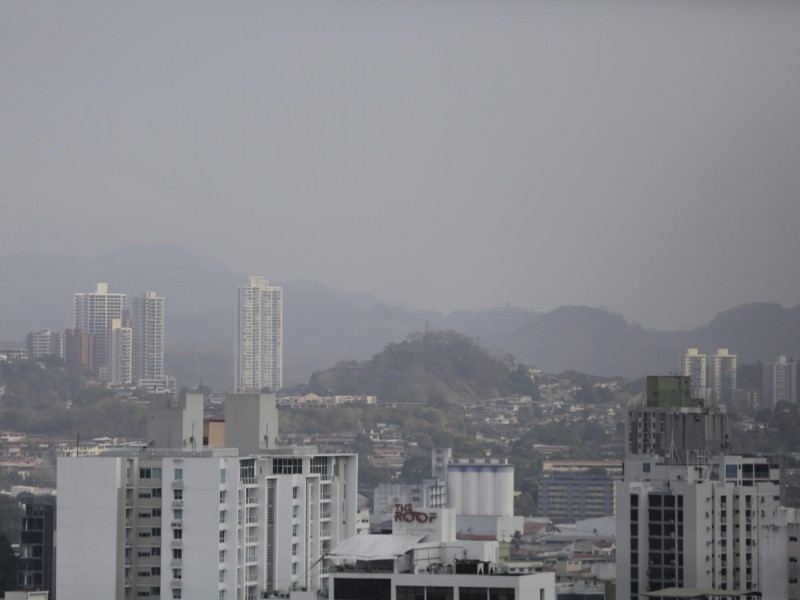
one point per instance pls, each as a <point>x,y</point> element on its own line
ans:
<point>375,547</point>
<point>700,593</point>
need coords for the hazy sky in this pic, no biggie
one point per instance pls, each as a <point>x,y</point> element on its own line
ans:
<point>641,156</point>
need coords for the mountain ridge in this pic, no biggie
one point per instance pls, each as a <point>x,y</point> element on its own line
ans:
<point>323,325</point>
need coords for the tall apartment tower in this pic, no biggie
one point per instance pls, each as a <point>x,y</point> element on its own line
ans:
<point>93,313</point>
<point>722,376</point>
<point>148,337</point>
<point>780,382</point>
<point>120,362</point>
<point>693,364</point>
<point>259,337</point>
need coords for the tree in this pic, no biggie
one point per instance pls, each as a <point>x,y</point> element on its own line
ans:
<point>524,505</point>
<point>369,476</point>
<point>416,469</point>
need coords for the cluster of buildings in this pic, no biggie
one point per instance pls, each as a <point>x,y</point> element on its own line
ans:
<point>244,518</point>
<point>716,375</point>
<point>109,341</point>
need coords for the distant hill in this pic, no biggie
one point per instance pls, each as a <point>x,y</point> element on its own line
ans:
<point>323,325</point>
<point>596,341</point>
<point>589,340</point>
<point>437,364</point>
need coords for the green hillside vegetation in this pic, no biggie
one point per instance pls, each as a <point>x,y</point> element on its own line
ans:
<point>42,398</point>
<point>437,364</point>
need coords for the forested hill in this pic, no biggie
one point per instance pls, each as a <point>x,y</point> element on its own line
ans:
<point>437,364</point>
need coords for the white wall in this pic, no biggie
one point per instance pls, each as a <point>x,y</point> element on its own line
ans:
<point>90,527</point>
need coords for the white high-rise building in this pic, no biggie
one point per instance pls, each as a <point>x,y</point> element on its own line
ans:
<point>259,337</point>
<point>695,526</point>
<point>93,312</point>
<point>780,382</point>
<point>722,376</point>
<point>693,521</point>
<point>177,520</point>
<point>148,337</point>
<point>693,364</point>
<point>120,362</point>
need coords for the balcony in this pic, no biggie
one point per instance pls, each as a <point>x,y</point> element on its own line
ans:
<point>177,484</point>
<point>177,504</point>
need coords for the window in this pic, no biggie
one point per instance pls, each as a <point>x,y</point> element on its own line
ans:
<point>294,549</point>
<point>178,474</point>
<point>731,471</point>
<point>177,494</point>
<point>223,496</point>
<point>156,492</point>
<point>177,573</point>
<point>156,531</point>
<point>295,510</point>
<point>287,466</point>
<point>177,553</point>
<point>247,470</point>
<point>221,575</point>
<point>155,571</point>
<point>144,473</point>
<point>439,593</point>
<point>222,516</point>
<point>319,464</point>
<point>222,537</point>
<point>294,530</point>
<point>294,568</point>
<point>156,472</point>
<point>222,556</point>
<point>646,467</point>
<point>501,594</point>
<point>177,514</point>
<point>177,533</point>
<point>176,593</point>
<point>156,512</point>
<point>472,593</point>
<point>250,554</point>
<point>410,592</point>
<point>155,551</point>
<point>222,595</point>
<point>295,492</point>
<point>222,475</point>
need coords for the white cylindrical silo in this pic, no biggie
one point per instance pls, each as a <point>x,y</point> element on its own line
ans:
<point>455,490</point>
<point>504,490</point>
<point>486,487</point>
<point>470,491</point>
